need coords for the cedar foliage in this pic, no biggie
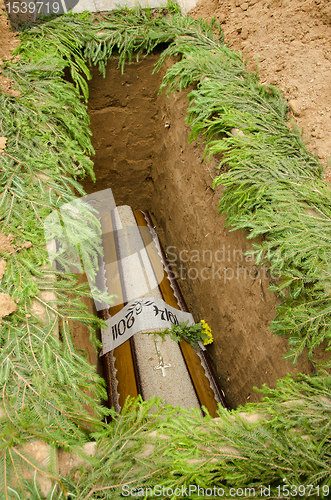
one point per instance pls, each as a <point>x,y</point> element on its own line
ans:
<point>274,188</point>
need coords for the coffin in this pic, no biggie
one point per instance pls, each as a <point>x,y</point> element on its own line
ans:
<point>135,268</point>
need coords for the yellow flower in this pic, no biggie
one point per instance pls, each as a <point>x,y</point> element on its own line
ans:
<point>207,331</point>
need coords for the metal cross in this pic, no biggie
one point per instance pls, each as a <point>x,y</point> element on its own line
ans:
<point>161,366</point>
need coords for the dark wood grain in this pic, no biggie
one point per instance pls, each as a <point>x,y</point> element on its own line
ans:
<point>124,363</point>
<point>197,373</point>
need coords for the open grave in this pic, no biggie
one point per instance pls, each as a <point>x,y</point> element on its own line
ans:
<point>143,154</point>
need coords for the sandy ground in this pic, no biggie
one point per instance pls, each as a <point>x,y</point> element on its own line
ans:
<point>289,41</point>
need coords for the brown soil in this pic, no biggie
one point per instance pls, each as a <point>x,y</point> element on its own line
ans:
<point>290,42</point>
<point>7,305</point>
<point>5,243</point>
<point>2,269</point>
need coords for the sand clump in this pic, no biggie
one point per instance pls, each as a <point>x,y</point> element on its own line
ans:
<point>2,268</point>
<point>5,243</point>
<point>7,305</point>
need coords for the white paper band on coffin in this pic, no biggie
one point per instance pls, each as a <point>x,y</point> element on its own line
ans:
<point>141,315</point>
